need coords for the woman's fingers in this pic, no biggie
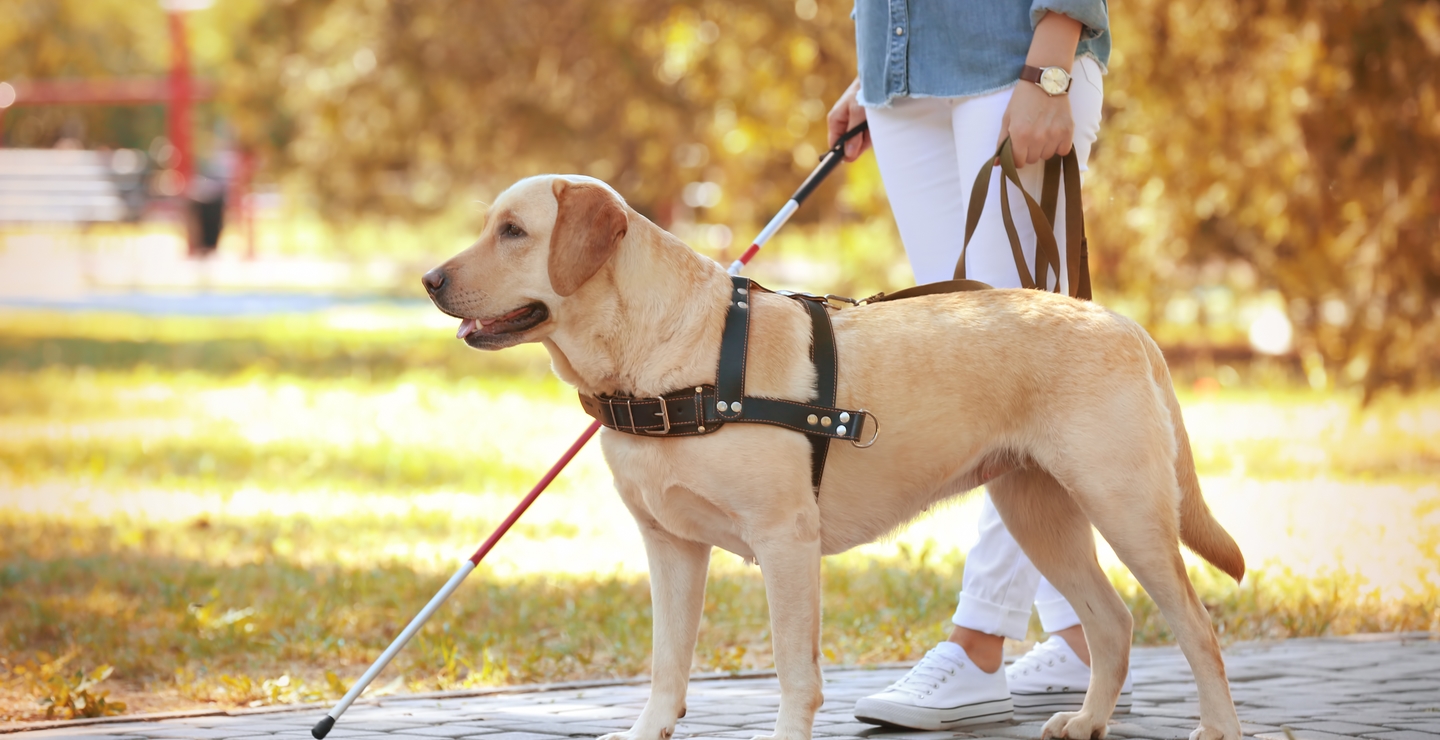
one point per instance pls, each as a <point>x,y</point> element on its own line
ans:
<point>1051,145</point>
<point>1038,125</point>
<point>1033,144</point>
<point>836,123</point>
<point>857,145</point>
<point>847,113</point>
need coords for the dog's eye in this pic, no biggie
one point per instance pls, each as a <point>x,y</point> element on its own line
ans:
<point>511,230</point>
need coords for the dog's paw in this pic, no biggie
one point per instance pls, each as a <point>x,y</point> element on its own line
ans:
<point>1074,726</point>
<point>1209,733</point>
<point>665,733</point>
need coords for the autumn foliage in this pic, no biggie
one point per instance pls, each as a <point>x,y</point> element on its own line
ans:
<point>1248,145</point>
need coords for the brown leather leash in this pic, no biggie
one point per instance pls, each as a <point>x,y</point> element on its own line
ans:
<point>706,408</point>
<point>1042,215</point>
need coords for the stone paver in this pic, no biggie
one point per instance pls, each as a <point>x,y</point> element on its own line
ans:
<point>1377,687</point>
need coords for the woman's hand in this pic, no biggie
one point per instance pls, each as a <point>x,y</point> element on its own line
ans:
<point>1039,125</point>
<point>847,114</point>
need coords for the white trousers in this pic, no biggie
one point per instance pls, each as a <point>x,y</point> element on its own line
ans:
<point>929,151</point>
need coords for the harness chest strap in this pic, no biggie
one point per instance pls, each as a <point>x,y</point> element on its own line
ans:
<point>703,409</point>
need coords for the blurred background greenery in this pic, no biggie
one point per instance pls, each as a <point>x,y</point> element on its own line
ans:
<point>233,481</point>
<point>1254,154</point>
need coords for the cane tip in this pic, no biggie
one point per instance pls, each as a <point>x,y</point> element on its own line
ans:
<point>323,727</point>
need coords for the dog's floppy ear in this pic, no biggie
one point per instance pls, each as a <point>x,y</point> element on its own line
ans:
<point>588,228</point>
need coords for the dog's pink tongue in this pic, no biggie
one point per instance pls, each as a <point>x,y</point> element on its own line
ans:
<point>466,326</point>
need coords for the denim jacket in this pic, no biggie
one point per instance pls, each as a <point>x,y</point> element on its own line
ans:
<point>958,48</point>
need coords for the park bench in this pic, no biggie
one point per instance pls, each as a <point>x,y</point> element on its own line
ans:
<point>71,186</point>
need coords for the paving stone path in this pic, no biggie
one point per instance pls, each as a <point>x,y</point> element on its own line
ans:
<point>1375,686</point>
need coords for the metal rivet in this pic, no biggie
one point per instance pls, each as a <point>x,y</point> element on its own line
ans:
<point>813,419</point>
<point>825,421</point>
<point>743,304</point>
<point>698,389</point>
<point>743,291</point>
<point>844,415</point>
<point>701,429</point>
<point>722,406</point>
<point>735,407</point>
<point>840,429</point>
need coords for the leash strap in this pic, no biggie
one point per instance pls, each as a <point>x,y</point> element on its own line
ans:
<point>1042,215</point>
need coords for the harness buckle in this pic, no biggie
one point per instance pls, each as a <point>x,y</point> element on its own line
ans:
<point>664,416</point>
<point>841,299</point>
<point>802,296</point>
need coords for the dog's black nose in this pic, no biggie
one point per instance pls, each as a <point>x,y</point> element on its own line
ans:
<point>434,280</point>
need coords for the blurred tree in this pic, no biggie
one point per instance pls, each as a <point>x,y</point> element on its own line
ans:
<point>1300,138</point>
<point>401,107</point>
<point>94,39</point>
<point>1271,144</point>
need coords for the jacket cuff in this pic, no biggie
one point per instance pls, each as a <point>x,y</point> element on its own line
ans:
<point>1092,14</point>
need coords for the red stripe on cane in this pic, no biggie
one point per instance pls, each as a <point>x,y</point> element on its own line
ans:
<point>534,493</point>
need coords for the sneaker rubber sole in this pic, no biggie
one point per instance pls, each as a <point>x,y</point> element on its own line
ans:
<point>877,712</point>
<point>1062,701</point>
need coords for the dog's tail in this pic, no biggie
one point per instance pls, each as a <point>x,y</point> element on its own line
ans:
<point>1198,528</point>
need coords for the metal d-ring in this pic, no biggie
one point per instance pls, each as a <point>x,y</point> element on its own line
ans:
<point>874,436</point>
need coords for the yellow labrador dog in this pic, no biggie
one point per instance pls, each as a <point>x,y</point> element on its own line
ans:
<point>1064,409</point>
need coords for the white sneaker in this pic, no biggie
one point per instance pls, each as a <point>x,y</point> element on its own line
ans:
<point>942,691</point>
<point>1052,678</point>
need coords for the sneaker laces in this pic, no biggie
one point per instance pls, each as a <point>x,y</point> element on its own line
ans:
<point>932,669</point>
<point>1046,654</point>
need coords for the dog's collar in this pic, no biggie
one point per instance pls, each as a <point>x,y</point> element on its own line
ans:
<point>698,410</point>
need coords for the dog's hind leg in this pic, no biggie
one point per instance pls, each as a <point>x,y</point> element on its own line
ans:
<point>1055,534</point>
<point>677,596</point>
<point>1138,515</point>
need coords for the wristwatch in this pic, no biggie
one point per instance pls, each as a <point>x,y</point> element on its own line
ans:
<point>1053,80</point>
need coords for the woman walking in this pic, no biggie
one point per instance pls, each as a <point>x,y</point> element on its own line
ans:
<point>941,84</point>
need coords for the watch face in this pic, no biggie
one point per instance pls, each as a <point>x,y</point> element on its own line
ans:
<point>1053,80</point>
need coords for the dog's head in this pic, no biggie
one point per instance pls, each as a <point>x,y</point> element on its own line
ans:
<point>544,238</point>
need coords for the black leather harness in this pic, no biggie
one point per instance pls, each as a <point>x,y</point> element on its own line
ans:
<point>704,409</point>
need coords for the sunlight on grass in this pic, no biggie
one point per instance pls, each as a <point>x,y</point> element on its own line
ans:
<point>245,511</point>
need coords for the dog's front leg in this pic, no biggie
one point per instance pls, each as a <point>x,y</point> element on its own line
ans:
<point>677,597</point>
<point>789,557</point>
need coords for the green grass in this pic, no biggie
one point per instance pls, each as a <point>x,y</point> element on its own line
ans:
<point>247,511</point>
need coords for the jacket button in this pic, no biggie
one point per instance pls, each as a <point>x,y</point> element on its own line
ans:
<point>899,30</point>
